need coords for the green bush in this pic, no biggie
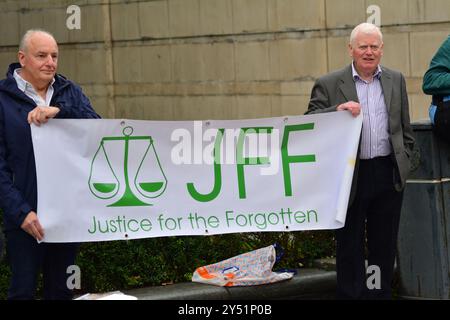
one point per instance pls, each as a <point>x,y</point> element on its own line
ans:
<point>121,265</point>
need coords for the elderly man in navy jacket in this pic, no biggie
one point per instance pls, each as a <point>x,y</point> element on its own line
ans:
<point>32,93</point>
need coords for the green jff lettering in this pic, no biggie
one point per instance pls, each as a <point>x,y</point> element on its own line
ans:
<point>287,159</point>
<point>217,174</point>
<point>242,161</point>
<point>245,161</point>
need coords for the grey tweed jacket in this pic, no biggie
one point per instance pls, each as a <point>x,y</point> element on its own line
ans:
<point>339,87</point>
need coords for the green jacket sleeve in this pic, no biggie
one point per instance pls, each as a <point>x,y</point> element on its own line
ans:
<point>436,80</point>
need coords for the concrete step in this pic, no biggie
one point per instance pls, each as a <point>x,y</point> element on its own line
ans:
<point>308,283</point>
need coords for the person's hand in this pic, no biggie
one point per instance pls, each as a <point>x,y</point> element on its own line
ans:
<point>41,114</point>
<point>32,226</point>
<point>352,106</point>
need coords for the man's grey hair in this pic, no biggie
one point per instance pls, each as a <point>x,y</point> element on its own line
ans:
<point>366,28</point>
<point>23,46</point>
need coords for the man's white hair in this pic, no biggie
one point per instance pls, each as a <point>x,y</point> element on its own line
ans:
<point>23,46</point>
<point>366,28</point>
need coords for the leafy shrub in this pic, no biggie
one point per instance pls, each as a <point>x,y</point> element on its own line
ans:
<point>122,265</point>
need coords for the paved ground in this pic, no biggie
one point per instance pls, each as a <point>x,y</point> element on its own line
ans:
<point>311,283</point>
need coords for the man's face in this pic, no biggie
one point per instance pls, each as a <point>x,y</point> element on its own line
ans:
<point>40,60</point>
<point>366,51</point>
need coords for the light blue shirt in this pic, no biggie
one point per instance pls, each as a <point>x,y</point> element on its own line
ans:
<point>28,89</point>
<point>375,130</point>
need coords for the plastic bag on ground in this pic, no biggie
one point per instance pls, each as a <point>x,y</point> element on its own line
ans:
<point>247,269</point>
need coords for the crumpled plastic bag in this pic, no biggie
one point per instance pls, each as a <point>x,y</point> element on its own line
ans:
<point>247,269</point>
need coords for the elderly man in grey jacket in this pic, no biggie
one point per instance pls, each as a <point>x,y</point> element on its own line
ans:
<point>383,164</point>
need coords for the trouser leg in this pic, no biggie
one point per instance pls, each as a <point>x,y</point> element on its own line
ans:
<point>25,257</point>
<point>382,229</point>
<point>350,244</point>
<point>57,258</point>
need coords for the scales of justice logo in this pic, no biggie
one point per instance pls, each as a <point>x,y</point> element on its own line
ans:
<point>126,170</point>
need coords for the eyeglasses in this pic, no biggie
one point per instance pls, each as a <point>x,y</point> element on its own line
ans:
<point>373,48</point>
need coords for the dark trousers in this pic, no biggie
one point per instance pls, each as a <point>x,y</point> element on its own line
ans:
<point>442,120</point>
<point>27,258</point>
<point>1,245</point>
<point>373,216</point>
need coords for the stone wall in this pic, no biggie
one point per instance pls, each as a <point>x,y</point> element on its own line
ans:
<point>221,59</point>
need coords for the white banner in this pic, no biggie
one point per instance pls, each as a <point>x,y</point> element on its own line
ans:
<point>127,179</point>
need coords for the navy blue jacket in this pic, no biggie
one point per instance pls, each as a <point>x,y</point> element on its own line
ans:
<point>18,187</point>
